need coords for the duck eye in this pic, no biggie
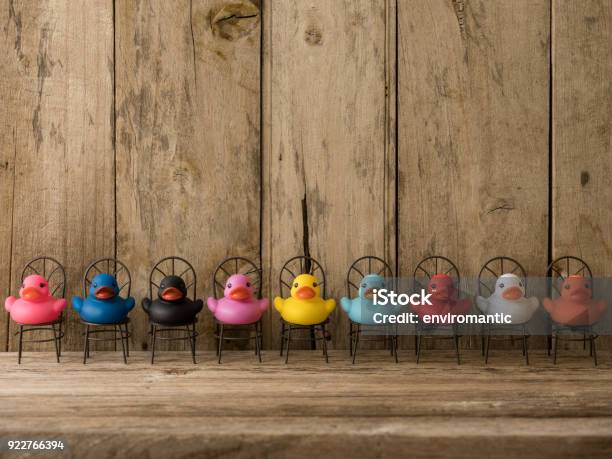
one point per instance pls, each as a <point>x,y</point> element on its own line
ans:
<point>433,285</point>
<point>95,285</point>
<point>248,284</point>
<point>314,284</point>
<point>295,285</point>
<point>363,285</point>
<point>567,287</point>
<point>229,285</point>
<point>501,285</point>
<point>43,285</point>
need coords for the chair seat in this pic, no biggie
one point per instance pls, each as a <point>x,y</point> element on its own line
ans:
<point>95,324</point>
<point>171,325</point>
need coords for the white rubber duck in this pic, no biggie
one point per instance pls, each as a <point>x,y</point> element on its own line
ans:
<point>509,298</point>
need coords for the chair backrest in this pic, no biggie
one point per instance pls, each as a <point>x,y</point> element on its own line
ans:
<point>174,266</point>
<point>433,265</point>
<point>236,265</point>
<point>362,267</point>
<point>110,266</point>
<point>50,269</point>
<point>495,267</point>
<point>301,265</point>
<point>563,267</point>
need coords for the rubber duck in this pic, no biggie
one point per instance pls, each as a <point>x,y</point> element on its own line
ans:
<point>172,305</point>
<point>238,305</point>
<point>575,306</point>
<point>444,298</point>
<point>361,309</point>
<point>509,298</point>
<point>35,304</point>
<point>305,305</point>
<point>103,305</point>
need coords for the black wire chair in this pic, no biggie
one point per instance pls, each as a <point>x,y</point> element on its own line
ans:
<point>225,269</point>
<point>560,269</point>
<point>427,268</point>
<point>357,271</point>
<point>54,272</point>
<point>170,266</point>
<point>122,274</point>
<point>487,277</point>
<point>291,269</point>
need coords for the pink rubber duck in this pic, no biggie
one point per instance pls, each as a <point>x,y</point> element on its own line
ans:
<point>238,305</point>
<point>575,306</point>
<point>35,304</point>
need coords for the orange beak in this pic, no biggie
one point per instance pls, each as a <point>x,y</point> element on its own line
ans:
<point>172,294</point>
<point>239,293</point>
<point>512,293</point>
<point>30,294</point>
<point>104,293</point>
<point>305,293</point>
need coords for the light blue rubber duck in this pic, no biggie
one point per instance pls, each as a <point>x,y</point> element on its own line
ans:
<point>361,309</point>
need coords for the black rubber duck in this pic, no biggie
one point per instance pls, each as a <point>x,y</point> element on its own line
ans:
<point>172,307</point>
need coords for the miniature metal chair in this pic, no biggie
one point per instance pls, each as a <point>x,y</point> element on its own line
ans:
<point>170,266</point>
<point>558,269</point>
<point>54,272</point>
<point>357,271</point>
<point>225,269</point>
<point>291,269</point>
<point>427,268</point>
<point>487,278</point>
<point>124,280</point>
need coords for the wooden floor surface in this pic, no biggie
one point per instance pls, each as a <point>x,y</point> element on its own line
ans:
<point>309,409</point>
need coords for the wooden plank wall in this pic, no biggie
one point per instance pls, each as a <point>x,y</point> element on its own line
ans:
<point>209,128</point>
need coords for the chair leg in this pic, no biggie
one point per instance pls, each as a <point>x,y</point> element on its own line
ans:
<point>482,343</point>
<point>220,342</point>
<point>548,344</point>
<point>416,343</point>
<point>525,346</point>
<point>356,343</point>
<point>394,343</point>
<point>20,344</point>
<point>217,335</point>
<point>419,343</point>
<point>456,340</point>
<point>153,336</point>
<point>282,340</point>
<point>127,340</point>
<point>193,339</point>
<point>257,349</point>
<point>122,343</point>
<point>350,338</point>
<point>313,338</point>
<point>487,345</point>
<point>584,340</point>
<point>594,349</point>
<point>86,345</point>
<point>288,341</point>
<point>324,340</point>
<point>55,341</point>
<point>60,334</point>
<point>555,345</point>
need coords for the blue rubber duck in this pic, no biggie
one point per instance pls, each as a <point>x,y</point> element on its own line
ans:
<point>103,305</point>
<point>361,310</point>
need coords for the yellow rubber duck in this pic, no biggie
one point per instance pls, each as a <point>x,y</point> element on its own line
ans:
<point>305,306</point>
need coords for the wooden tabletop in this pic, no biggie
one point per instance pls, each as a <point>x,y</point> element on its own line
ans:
<point>309,409</point>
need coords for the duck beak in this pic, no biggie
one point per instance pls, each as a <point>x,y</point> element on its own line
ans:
<point>30,294</point>
<point>104,293</point>
<point>239,293</point>
<point>369,293</point>
<point>512,293</point>
<point>171,294</point>
<point>305,293</point>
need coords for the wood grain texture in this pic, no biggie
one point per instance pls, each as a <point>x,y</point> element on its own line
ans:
<point>328,162</point>
<point>188,161</point>
<point>246,409</point>
<point>57,86</point>
<point>582,132</point>
<point>473,124</point>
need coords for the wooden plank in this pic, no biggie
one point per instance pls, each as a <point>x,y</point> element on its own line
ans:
<point>188,161</point>
<point>582,120</point>
<point>243,408</point>
<point>57,61</point>
<point>473,91</point>
<point>328,159</point>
